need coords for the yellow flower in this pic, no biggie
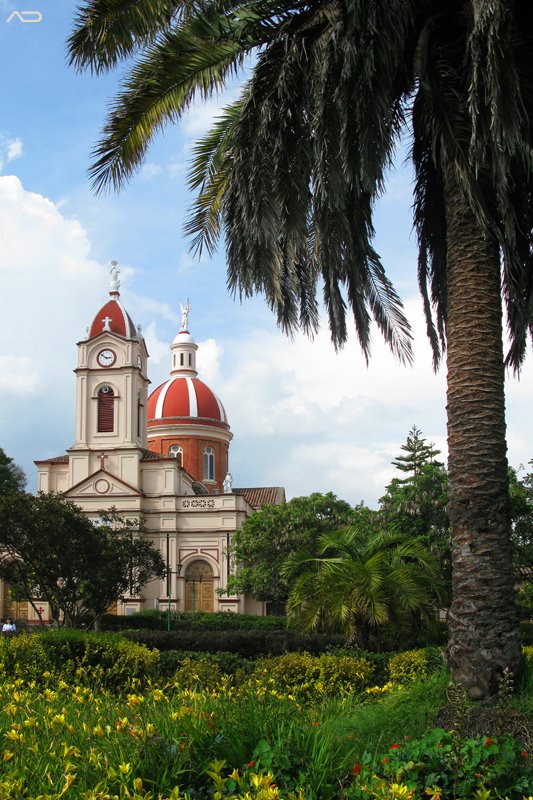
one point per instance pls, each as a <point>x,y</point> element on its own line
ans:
<point>98,730</point>
<point>69,779</point>
<point>124,769</point>
<point>235,775</point>
<point>14,736</point>
<point>135,700</point>
<point>7,755</point>
<point>69,751</point>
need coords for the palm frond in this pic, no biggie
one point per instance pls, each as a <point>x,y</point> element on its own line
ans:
<point>106,31</point>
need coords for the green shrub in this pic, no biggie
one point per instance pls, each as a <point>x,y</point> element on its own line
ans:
<point>186,621</point>
<point>413,665</point>
<point>198,673</point>
<point>105,660</point>
<point>526,630</point>
<point>307,677</point>
<point>246,643</point>
<point>459,767</point>
<point>22,656</point>
<point>228,663</point>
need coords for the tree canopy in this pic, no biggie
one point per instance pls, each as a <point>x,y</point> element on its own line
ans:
<point>12,477</point>
<point>49,550</point>
<point>359,581</point>
<point>268,536</point>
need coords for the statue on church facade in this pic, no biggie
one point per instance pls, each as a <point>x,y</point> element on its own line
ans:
<point>185,310</point>
<point>228,483</point>
<point>114,272</point>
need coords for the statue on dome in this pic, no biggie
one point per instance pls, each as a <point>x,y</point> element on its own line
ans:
<point>185,316</point>
<point>114,272</point>
<point>228,483</point>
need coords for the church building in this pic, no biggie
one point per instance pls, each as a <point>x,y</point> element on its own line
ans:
<point>160,458</point>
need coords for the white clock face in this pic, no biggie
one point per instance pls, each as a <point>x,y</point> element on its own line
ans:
<point>106,358</point>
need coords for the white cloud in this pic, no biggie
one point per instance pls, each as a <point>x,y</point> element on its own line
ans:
<point>208,361</point>
<point>150,171</point>
<point>158,350</point>
<point>10,149</point>
<point>13,149</point>
<point>186,262</point>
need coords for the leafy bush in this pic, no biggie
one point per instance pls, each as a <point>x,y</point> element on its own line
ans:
<point>246,643</point>
<point>307,677</point>
<point>22,656</point>
<point>413,665</point>
<point>198,674</point>
<point>186,621</point>
<point>227,663</point>
<point>526,629</point>
<point>106,660</point>
<point>445,765</point>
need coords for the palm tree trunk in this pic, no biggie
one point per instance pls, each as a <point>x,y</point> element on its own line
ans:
<point>483,625</point>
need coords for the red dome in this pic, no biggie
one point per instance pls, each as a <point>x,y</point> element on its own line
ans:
<point>185,400</point>
<point>113,317</point>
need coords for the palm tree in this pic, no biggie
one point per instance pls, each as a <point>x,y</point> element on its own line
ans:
<point>359,583</point>
<point>291,172</point>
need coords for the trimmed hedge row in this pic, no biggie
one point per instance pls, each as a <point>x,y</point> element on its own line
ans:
<point>107,660</point>
<point>186,621</point>
<point>111,662</point>
<point>246,643</point>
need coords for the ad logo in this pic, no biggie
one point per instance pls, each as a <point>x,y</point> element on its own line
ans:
<point>25,16</point>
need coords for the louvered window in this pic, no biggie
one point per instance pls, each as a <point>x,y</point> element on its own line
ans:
<point>106,410</point>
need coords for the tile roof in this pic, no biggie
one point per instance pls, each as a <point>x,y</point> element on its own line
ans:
<point>55,460</point>
<point>262,495</point>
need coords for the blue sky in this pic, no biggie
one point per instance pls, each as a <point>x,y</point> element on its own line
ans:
<point>302,416</point>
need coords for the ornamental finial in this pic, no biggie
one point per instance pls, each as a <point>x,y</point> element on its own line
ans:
<point>185,310</point>
<point>114,272</point>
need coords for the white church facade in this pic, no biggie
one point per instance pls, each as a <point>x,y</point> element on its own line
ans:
<point>161,459</point>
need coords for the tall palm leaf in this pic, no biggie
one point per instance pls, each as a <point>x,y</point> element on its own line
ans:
<point>359,583</point>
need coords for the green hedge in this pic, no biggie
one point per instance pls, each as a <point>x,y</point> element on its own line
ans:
<point>186,621</point>
<point>107,660</point>
<point>246,643</point>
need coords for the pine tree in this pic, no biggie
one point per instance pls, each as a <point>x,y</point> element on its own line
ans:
<point>418,454</point>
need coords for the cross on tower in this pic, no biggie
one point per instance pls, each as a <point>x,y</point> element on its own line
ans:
<point>106,321</point>
<point>102,458</point>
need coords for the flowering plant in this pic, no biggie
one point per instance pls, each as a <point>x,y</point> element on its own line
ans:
<point>444,765</point>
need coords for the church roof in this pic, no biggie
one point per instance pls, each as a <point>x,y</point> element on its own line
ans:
<point>113,317</point>
<point>185,399</point>
<point>54,460</point>
<point>262,495</point>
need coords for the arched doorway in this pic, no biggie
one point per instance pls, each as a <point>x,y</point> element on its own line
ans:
<point>199,587</point>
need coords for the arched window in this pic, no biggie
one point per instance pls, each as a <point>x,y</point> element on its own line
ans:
<point>177,452</point>
<point>106,410</point>
<point>209,464</point>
